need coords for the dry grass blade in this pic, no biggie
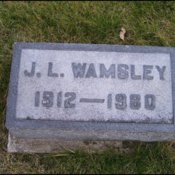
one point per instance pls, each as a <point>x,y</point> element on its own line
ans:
<point>60,155</point>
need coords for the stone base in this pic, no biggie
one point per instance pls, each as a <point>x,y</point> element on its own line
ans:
<point>26,145</point>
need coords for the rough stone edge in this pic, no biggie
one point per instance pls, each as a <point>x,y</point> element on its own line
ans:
<point>103,135</point>
<point>26,145</point>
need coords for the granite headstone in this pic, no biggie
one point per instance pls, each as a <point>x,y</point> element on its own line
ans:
<point>80,92</point>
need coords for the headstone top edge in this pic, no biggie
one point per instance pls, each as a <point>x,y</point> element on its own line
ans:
<point>93,47</point>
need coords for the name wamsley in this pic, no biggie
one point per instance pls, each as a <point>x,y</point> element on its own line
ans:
<point>120,71</point>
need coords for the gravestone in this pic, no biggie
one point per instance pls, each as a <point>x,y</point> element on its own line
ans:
<point>73,93</point>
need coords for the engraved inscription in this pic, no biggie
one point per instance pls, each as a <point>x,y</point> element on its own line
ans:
<point>70,97</point>
<point>84,70</point>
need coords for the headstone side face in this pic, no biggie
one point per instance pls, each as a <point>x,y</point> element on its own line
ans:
<point>22,145</point>
<point>90,92</point>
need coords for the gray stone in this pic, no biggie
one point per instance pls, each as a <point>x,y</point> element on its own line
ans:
<point>79,92</point>
<point>31,145</point>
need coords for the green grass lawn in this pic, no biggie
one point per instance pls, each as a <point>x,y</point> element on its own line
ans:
<point>146,23</point>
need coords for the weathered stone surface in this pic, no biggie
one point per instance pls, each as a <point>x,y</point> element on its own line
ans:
<point>97,86</point>
<point>80,92</point>
<point>16,144</point>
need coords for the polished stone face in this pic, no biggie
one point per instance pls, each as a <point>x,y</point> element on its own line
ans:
<point>94,86</point>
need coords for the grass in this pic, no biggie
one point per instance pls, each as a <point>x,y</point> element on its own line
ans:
<point>146,23</point>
